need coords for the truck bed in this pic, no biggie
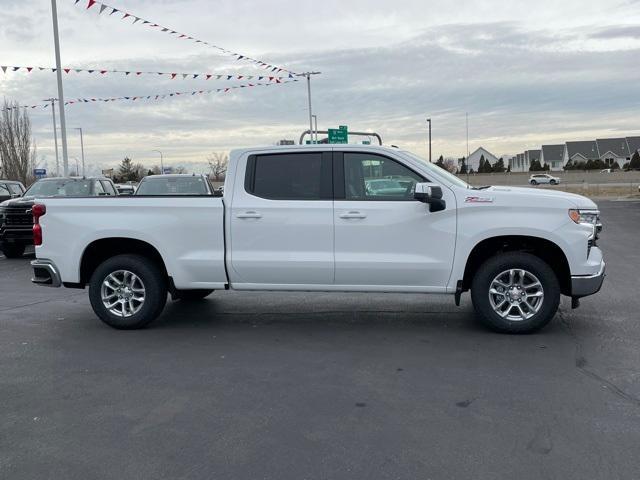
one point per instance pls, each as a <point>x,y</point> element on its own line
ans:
<point>187,232</point>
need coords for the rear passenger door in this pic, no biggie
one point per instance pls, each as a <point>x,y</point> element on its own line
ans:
<point>282,220</point>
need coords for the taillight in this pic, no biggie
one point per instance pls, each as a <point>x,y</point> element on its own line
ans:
<point>38,210</point>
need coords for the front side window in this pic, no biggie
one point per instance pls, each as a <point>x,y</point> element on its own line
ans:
<point>289,176</point>
<point>374,177</point>
<point>4,191</point>
<point>98,188</point>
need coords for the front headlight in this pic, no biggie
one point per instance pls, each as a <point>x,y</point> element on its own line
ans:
<point>590,217</point>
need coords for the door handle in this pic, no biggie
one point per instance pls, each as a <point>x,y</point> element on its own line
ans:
<point>250,214</point>
<point>353,214</point>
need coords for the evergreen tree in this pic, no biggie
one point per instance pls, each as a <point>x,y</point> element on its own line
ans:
<point>498,167</point>
<point>634,164</point>
<point>463,167</point>
<point>440,162</point>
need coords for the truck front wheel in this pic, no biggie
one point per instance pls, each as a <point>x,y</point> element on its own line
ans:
<point>128,291</point>
<point>515,292</point>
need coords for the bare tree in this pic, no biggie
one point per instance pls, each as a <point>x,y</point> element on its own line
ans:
<point>179,169</point>
<point>218,163</point>
<point>17,148</point>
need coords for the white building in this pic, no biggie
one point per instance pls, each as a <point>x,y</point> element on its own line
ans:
<point>473,162</point>
<point>613,150</point>
<point>553,155</point>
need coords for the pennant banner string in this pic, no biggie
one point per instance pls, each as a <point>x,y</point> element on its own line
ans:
<point>102,7</point>
<point>135,73</point>
<point>159,96</point>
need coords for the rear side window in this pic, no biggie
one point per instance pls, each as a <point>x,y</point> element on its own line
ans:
<point>15,188</point>
<point>290,176</point>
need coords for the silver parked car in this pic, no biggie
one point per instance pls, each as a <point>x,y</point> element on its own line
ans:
<point>540,178</point>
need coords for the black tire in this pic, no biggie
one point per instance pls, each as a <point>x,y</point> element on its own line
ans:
<point>553,182</point>
<point>533,182</point>
<point>192,295</point>
<point>155,286</point>
<point>490,269</point>
<point>12,250</point>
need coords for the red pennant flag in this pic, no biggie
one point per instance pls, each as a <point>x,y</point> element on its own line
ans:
<point>103,72</point>
<point>138,73</point>
<point>66,70</point>
<point>29,69</point>
<point>91,4</point>
<point>182,36</point>
<point>173,75</point>
<point>208,76</point>
<point>240,77</point>
<point>126,15</point>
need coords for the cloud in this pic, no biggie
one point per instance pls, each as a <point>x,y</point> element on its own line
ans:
<point>382,70</point>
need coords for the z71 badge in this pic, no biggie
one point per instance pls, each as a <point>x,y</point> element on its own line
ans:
<point>478,200</point>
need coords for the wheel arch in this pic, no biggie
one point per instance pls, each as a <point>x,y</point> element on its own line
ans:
<point>102,249</point>
<point>544,249</point>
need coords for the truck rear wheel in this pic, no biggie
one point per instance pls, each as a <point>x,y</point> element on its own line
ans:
<point>13,250</point>
<point>515,292</point>
<point>128,291</point>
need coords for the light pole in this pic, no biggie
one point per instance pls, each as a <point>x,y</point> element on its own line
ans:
<point>467,162</point>
<point>55,133</point>
<point>161,164</point>
<point>308,77</point>
<point>63,124</point>
<point>82,149</point>
<point>429,120</point>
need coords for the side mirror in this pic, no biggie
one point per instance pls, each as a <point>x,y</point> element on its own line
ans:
<point>432,194</point>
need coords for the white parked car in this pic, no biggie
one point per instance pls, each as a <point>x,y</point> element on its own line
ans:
<point>541,178</point>
<point>301,218</point>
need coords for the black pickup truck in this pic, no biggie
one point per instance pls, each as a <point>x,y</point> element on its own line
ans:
<point>16,221</point>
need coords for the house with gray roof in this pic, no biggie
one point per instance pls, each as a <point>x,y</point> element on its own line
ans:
<point>581,151</point>
<point>613,150</point>
<point>633,143</point>
<point>553,155</point>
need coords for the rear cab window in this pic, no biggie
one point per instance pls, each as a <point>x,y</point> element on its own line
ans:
<point>290,176</point>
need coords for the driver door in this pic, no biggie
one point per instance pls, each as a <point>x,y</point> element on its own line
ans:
<point>384,238</point>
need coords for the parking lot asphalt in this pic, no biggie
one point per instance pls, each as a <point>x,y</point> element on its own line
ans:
<point>323,386</point>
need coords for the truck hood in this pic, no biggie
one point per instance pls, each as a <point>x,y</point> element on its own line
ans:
<point>541,194</point>
<point>19,202</point>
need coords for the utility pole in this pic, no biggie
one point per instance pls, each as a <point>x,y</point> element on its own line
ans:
<point>55,133</point>
<point>161,164</point>
<point>63,123</point>
<point>84,173</point>
<point>429,120</point>
<point>308,77</point>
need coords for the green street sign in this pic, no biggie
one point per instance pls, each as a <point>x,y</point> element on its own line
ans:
<point>338,135</point>
<point>343,127</point>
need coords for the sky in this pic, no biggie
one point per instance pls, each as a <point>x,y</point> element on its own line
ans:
<point>527,73</point>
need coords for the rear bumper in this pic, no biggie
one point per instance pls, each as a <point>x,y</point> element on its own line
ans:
<point>45,273</point>
<point>585,285</point>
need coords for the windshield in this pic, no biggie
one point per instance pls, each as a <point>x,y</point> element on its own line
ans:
<point>172,186</point>
<point>64,187</point>
<point>450,177</point>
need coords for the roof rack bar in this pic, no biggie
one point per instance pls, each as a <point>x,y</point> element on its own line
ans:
<point>326,132</point>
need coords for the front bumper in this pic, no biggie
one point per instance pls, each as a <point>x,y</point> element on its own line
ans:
<point>45,273</point>
<point>585,285</point>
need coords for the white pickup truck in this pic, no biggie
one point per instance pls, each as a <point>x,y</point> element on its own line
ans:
<point>346,218</point>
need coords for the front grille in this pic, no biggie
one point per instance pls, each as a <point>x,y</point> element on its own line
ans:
<point>16,217</point>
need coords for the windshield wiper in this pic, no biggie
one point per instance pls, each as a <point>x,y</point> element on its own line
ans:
<point>484,187</point>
